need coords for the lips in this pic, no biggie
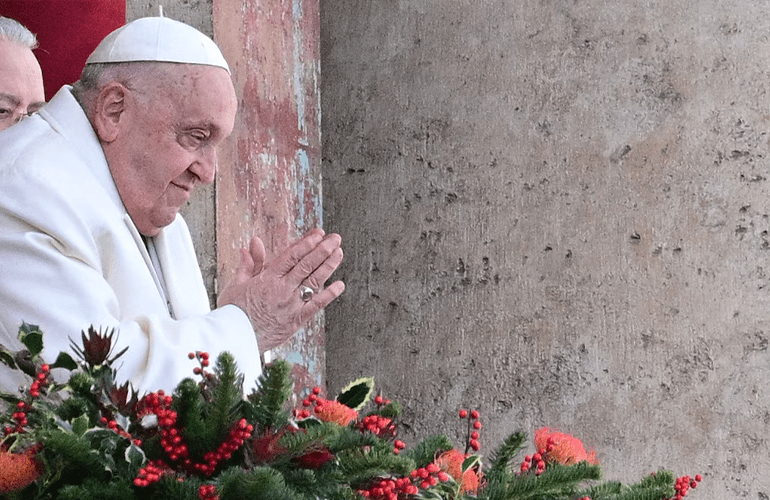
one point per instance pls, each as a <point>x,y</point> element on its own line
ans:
<point>185,187</point>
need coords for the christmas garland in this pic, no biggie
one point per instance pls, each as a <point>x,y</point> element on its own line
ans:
<point>92,438</point>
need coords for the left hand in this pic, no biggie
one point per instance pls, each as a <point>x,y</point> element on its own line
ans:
<point>269,292</point>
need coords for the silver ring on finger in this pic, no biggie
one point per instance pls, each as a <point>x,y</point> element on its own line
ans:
<point>306,293</point>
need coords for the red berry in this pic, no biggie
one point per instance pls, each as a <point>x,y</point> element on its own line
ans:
<point>474,435</point>
<point>477,425</point>
<point>463,413</point>
<point>474,414</point>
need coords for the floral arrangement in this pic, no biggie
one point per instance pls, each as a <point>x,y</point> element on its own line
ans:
<point>92,438</point>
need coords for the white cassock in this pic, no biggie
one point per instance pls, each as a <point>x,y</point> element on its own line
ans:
<point>70,257</point>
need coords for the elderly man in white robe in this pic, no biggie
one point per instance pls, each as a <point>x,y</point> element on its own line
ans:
<point>90,233</point>
<point>21,79</point>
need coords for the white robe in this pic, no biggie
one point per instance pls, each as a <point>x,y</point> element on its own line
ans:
<point>71,257</point>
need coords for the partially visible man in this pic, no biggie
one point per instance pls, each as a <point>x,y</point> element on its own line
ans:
<point>90,190</point>
<point>21,80</point>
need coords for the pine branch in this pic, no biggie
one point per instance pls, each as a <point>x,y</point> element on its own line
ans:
<point>349,439</point>
<point>653,487</point>
<point>356,467</point>
<point>501,459</point>
<point>260,483</point>
<point>266,405</point>
<point>558,481</point>
<point>226,395</point>
<point>310,439</point>
<point>425,451</point>
<point>189,404</point>
<point>92,489</point>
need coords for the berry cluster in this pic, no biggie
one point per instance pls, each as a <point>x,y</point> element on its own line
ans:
<point>378,425</point>
<point>240,432</point>
<point>151,473</point>
<point>474,425</point>
<point>40,381</point>
<point>159,404</point>
<point>208,492</point>
<point>429,475</point>
<point>535,461</point>
<point>203,360</point>
<point>406,487</point>
<point>683,485</point>
<point>22,407</point>
<point>307,402</point>
<point>113,426</point>
<point>389,489</point>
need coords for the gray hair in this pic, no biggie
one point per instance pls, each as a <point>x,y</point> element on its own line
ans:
<point>15,32</point>
<point>135,75</point>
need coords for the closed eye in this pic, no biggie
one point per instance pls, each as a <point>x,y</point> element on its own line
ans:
<point>192,139</point>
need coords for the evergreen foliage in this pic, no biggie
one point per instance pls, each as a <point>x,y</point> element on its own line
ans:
<point>267,403</point>
<point>95,440</point>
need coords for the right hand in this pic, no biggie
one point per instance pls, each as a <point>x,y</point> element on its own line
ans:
<point>269,292</point>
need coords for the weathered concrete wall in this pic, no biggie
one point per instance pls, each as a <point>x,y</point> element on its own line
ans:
<point>557,212</point>
<point>200,210</point>
<point>269,180</point>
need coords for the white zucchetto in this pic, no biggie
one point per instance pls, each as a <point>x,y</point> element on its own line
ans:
<point>158,39</point>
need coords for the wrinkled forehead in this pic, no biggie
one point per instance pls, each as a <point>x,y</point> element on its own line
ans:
<point>20,73</point>
<point>192,94</point>
<point>175,84</point>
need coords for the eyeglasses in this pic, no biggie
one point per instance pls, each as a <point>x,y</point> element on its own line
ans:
<point>22,116</point>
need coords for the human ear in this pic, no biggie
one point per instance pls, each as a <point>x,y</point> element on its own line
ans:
<point>109,106</point>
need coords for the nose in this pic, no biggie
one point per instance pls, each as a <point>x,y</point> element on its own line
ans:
<point>205,167</point>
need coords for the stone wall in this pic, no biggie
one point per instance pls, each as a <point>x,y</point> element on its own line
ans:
<point>556,212</point>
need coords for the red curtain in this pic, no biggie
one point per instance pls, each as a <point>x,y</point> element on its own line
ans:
<point>67,31</point>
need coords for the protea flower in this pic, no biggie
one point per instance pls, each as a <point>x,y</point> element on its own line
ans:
<point>334,411</point>
<point>97,347</point>
<point>124,398</point>
<point>562,448</point>
<point>18,470</point>
<point>451,462</point>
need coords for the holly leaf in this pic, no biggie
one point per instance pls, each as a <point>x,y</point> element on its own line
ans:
<point>471,462</point>
<point>64,360</point>
<point>135,457</point>
<point>32,338</point>
<point>80,425</point>
<point>6,357</point>
<point>357,393</point>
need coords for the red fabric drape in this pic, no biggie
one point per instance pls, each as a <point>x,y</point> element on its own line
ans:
<point>67,31</point>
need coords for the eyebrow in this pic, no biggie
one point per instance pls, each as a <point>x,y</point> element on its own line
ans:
<point>13,100</point>
<point>10,98</point>
<point>35,106</point>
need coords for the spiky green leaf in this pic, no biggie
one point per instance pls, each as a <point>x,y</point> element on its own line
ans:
<point>357,393</point>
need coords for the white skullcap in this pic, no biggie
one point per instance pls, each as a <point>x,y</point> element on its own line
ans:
<point>158,39</point>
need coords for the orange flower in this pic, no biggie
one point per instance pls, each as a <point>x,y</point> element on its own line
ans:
<point>451,462</point>
<point>562,448</point>
<point>334,411</point>
<point>18,470</point>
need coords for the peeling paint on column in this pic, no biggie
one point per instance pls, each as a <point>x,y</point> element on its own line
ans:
<point>269,180</point>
